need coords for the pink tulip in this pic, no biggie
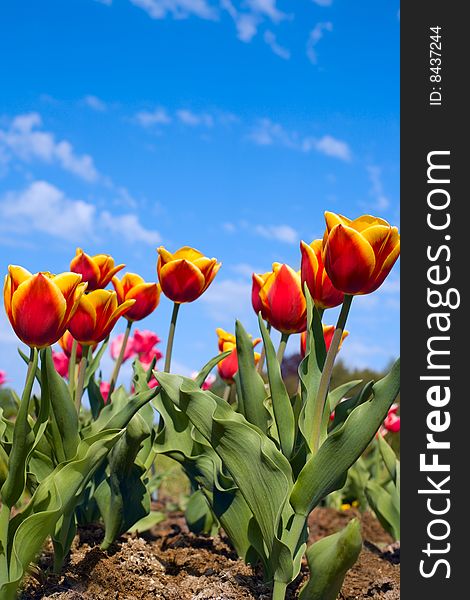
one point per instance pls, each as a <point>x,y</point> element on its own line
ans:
<point>144,341</point>
<point>116,346</point>
<point>147,357</point>
<point>61,363</point>
<point>104,389</point>
<point>3,377</point>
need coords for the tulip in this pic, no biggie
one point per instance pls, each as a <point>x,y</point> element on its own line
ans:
<point>116,346</point>
<point>144,340</point>
<point>3,377</point>
<point>146,295</point>
<point>61,363</point>
<point>186,274</point>
<point>96,315</point>
<point>40,306</point>
<point>392,420</point>
<point>96,270</point>
<point>104,389</point>
<point>328,331</point>
<point>313,274</point>
<point>283,302</point>
<point>66,343</point>
<point>228,366</point>
<point>359,254</point>
<point>224,336</point>
<point>258,281</point>
<point>146,358</point>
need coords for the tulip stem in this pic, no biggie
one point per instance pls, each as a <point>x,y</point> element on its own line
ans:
<point>327,371</point>
<point>227,392</point>
<point>260,365</point>
<point>72,365</point>
<point>81,377</point>
<point>171,337</point>
<point>120,358</point>
<point>282,347</point>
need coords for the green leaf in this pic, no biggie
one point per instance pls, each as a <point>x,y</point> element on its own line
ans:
<point>199,516</point>
<point>207,368</point>
<point>266,484</point>
<point>282,407</point>
<point>94,363</point>
<point>385,507</point>
<point>250,385</point>
<point>23,442</point>
<point>329,559</point>
<point>310,370</point>
<point>388,456</point>
<point>54,497</point>
<point>58,395</point>
<point>153,518</point>
<point>343,446</point>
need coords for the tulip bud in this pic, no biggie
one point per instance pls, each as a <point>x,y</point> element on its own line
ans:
<point>146,295</point>
<point>359,254</point>
<point>283,302</point>
<point>185,274</point>
<point>96,270</point>
<point>96,315</point>
<point>40,306</point>
<point>328,331</point>
<point>313,273</point>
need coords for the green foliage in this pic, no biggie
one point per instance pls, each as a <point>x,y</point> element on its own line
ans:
<point>43,455</point>
<point>259,467</point>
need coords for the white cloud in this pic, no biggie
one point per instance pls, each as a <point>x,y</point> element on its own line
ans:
<point>179,9</point>
<point>244,269</point>
<point>323,2</point>
<point>129,227</point>
<point>381,202</point>
<point>44,208</point>
<point>328,145</point>
<point>24,140</point>
<point>280,233</point>
<point>267,133</point>
<point>95,103</point>
<point>271,41</point>
<point>358,354</point>
<point>315,36</point>
<point>193,119</point>
<point>267,8</point>
<point>246,23</point>
<point>158,116</point>
<point>228,299</point>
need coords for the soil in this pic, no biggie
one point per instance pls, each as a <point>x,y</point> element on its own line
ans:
<point>170,563</point>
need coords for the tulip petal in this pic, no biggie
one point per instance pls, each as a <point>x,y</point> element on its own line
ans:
<point>37,310</point>
<point>83,263</point>
<point>130,280</point>
<point>365,221</point>
<point>283,295</point>
<point>332,219</point>
<point>188,253</point>
<point>82,325</point>
<point>349,259</point>
<point>106,329</point>
<point>147,297</point>
<point>119,289</point>
<point>211,273</point>
<point>181,281</point>
<point>16,276</point>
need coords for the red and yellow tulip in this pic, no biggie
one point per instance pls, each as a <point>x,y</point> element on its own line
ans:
<point>228,366</point>
<point>96,315</point>
<point>313,273</point>
<point>66,343</point>
<point>283,303</point>
<point>223,337</point>
<point>328,331</point>
<point>146,295</point>
<point>359,254</point>
<point>40,306</point>
<point>185,274</point>
<point>96,270</point>
<point>258,281</point>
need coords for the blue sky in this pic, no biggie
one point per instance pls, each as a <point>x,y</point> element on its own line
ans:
<point>229,126</point>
